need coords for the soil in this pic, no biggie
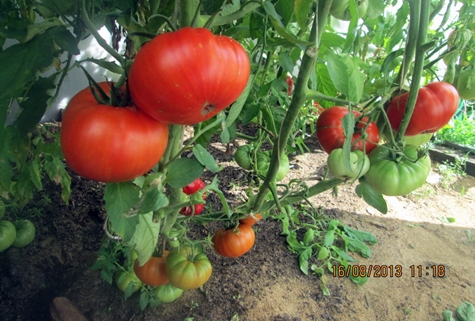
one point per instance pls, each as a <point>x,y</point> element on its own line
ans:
<point>266,283</point>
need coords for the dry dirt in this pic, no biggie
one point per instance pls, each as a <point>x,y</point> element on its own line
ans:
<point>266,283</point>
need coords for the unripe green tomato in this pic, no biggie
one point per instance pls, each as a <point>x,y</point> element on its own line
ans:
<point>359,164</point>
<point>25,233</point>
<point>340,9</point>
<point>417,140</point>
<point>2,209</point>
<point>466,84</point>
<point>242,156</point>
<point>167,293</point>
<point>7,234</point>
<point>263,162</point>
<point>127,281</point>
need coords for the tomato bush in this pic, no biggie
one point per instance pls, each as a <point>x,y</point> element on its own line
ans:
<point>7,234</point>
<point>359,164</point>
<point>167,293</point>
<point>397,175</point>
<point>331,135</point>
<point>25,233</point>
<point>234,242</point>
<point>435,105</point>
<point>110,144</point>
<point>153,272</point>
<point>188,269</point>
<point>188,76</point>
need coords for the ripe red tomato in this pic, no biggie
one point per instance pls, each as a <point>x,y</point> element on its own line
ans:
<point>153,272</point>
<point>194,186</point>
<point>188,76</point>
<point>110,144</point>
<point>234,242</point>
<point>330,132</point>
<point>436,104</point>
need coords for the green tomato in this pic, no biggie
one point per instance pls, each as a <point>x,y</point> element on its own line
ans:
<point>263,162</point>
<point>127,282</point>
<point>466,84</point>
<point>187,269</point>
<point>25,233</point>
<point>417,140</point>
<point>340,9</point>
<point>167,293</point>
<point>7,234</point>
<point>359,164</point>
<point>395,175</point>
<point>242,156</point>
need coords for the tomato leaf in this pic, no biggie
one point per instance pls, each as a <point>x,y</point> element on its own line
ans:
<point>466,311</point>
<point>360,235</point>
<point>236,108</point>
<point>276,21</point>
<point>355,245</point>
<point>183,171</point>
<point>303,259</point>
<point>6,172</point>
<point>337,70</point>
<point>302,9</point>
<point>371,196</point>
<point>145,237</point>
<point>205,158</point>
<point>153,200</point>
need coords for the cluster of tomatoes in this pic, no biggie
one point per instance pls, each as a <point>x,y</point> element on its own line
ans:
<point>183,77</point>
<point>388,171</point>
<point>17,234</point>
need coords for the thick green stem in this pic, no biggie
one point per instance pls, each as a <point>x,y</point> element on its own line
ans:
<point>423,7</point>
<point>307,67</point>
<point>188,9</point>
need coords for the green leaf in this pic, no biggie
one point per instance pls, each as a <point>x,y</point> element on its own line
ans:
<point>338,71</point>
<point>65,40</point>
<point>303,259</point>
<point>145,237</point>
<point>466,311</point>
<point>329,238</point>
<point>144,300</point>
<point>183,171</point>
<point>323,253</point>
<point>358,279</point>
<point>286,62</point>
<point>448,315</point>
<point>236,108</point>
<point>343,256</point>
<point>355,245</point>
<point>360,235</point>
<point>302,9</point>
<point>154,199</point>
<point>285,8</point>
<point>205,158</point>
<point>371,196</point>
<point>24,187</point>
<point>6,173</point>
<point>35,173</point>
<point>276,21</point>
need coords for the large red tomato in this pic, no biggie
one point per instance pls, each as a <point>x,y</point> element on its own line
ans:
<point>188,76</point>
<point>331,135</point>
<point>436,104</point>
<point>107,143</point>
<point>234,242</point>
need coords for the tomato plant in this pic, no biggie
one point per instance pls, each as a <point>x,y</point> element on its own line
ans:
<point>263,162</point>
<point>7,234</point>
<point>127,282</point>
<point>251,219</point>
<point>359,164</point>
<point>234,242</point>
<point>188,76</point>
<point>25,233</point>
<point>331,135</point>
<point>167,293</point>
<point>396,174</point>
<point>107,143</point>
<point>466,84</point>
<point>436,104</point>
<point>188,269</point>
<point>153,272</point>
<point>340,10</point>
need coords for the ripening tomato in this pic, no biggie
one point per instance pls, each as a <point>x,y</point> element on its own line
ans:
<point>153,272</point>
<point>188,269</point>
<point>436,104</point>
<point>251,219</point>
<point>110,144</point>
<point>234,242</point>
<point>188,76</point>
<point>331,135</point>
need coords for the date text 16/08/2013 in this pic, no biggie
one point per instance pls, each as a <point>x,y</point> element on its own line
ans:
<point>384,271</point>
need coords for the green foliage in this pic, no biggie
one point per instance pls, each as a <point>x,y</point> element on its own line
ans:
<point>461,132</point>
<point>464,312</point>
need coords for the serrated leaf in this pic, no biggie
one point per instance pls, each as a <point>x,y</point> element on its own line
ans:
<point>65,39</point>
<point>337,71</point>
<point>466,311</point>
<point>302,9</point>
<point>371,196</point>
<point>145,237</point>
<point>35,173</point>
<point>183,171</point>
<point>154,199</point>
<point>205,158</point>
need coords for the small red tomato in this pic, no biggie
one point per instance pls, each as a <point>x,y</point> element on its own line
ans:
<point>194,187</point>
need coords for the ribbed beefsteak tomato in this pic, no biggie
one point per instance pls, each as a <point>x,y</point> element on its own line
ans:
<point>110,144</point>
<point>331,135</point>
<point>234,242</point>
<point>188,76</point>
<point>436,104</point>
<point>153,272</point>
